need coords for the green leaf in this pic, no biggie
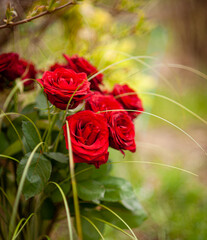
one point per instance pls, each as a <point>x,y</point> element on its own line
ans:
<point>127,205</point>
<point>41,101</point>
<point>30,111</point>
<point>116,189</point>
<point>57,156</point>
<point>30,134</point>
<point>90,172</point>
<point>37,176</point>
<point>41,105</point>
<point>90,190</point>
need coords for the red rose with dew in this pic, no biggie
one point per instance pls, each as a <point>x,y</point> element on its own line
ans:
<point>121,131</point>
<point>128,99</point>
<point>62,85</point>
<point>98,102</point>
<point>80,64</point>
<point>89,137</point>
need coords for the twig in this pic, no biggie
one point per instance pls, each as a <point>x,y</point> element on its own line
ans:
<point>8,25</point>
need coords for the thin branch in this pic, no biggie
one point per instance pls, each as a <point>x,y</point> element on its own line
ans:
<point>8,25</point>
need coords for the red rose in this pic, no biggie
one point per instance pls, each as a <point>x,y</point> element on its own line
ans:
<point>7,60</point>
<point>7,71</point>
<point>80,64</point>
<point>11,67</point>
<point>121,127</point>
<point>130,101</point>
<point>89,137</point>
<point>121,131</point>
<point>61,84</point>
<point>98,102</point>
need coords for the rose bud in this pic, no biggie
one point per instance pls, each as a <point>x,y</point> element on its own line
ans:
<point>89,137</point>
<point>128,99</point>
<point>62,85</point>
<point>121,131</point>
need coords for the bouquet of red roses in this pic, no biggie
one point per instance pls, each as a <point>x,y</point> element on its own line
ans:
<point>48,144</point>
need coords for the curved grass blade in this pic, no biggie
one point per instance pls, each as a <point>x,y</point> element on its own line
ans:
<point>159,164</point>
<point>5,156</point>
<point>73,182</point>
<point>168,99</point>
<point>178,104</point>
<point>13,91</point>
<point>87,219</point>
<point>171,65</point>
<point>23,219</point>
<point>107,208</point>
<point>13,113</point>
<point>70,231</point>
<point>163,119</point>
<point>5,195</point>
<point>136,58</point>
<point>190,69</point>
<point>114,226</point>
<point>20,188</point>
<point>17,227</point>
<point>20,139</point>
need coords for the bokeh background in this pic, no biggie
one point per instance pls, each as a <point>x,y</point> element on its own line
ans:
<point>168,38</point>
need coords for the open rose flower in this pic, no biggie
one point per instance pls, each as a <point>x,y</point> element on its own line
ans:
<point>128,99</point>
<point>121,127</point>
<point>62,85</point>
<point>121,131</point>
<point>80,64</point>
<point>89,137</point>
<point>98,102</point>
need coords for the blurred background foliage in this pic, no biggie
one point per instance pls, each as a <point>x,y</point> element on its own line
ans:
<point>160,33</point>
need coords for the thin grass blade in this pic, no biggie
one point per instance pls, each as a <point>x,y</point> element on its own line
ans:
<point>20,188</point>
<point>87,219</point>
<point>73,182</point>
<point>70,231</point>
